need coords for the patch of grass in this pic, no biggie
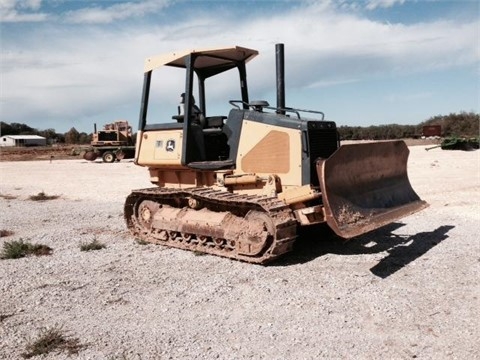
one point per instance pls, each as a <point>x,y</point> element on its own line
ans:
<point>5,233</point>
<point>93,245</point>
<point>40,250</point>
<point>19,249</point>
<point>41,196</point>
<point>53,339</point>
<point>199,253</point>
<point>7,196</point>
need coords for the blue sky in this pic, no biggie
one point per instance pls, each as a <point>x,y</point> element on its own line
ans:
<point>73,63</point>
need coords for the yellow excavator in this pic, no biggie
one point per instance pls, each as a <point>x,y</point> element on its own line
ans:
<point>240,185</point>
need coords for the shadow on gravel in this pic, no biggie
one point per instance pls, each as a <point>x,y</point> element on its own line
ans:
<point>401,249</point>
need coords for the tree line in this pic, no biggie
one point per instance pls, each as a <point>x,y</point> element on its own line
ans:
<point>454,124</point>
<point>70,137</point>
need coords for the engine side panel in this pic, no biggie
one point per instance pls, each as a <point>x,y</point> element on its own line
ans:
<point>265,149</point>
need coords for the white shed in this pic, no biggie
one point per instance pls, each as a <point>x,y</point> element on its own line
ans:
<point>22,140</point>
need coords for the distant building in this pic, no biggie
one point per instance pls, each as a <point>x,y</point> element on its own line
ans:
<point>22,140</point>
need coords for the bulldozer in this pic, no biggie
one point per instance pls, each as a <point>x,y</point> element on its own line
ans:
<point>241,185</point>
<point>113,142</point>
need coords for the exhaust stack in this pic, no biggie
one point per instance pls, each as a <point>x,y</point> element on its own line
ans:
<point>280,66</point>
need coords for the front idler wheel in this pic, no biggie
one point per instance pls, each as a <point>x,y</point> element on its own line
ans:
<point>145,212</point>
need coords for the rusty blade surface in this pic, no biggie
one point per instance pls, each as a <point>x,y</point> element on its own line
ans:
<point>366,186</point>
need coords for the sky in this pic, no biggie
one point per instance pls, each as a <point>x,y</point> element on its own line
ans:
<point>73,63</point>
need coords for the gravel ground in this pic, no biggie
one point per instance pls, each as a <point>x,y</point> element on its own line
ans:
<point>409,290</point>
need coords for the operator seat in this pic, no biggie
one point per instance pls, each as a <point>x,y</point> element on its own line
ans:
<point>196,113</point>
<point>196,126</point>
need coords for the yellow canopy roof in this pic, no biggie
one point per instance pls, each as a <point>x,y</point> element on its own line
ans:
<point>209,58</point>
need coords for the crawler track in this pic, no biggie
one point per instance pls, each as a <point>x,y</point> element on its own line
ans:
<point>255,229</point>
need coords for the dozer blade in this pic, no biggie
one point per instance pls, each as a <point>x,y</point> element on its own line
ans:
<point>365,186</point>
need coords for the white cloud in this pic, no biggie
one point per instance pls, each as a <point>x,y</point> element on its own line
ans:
<point>21,4</point>
<point>325,83</point>
<point>21,11</point>
<point>78,75</point>
<point>31,4</point>
<point>374,4</point>
<point>109,14</point>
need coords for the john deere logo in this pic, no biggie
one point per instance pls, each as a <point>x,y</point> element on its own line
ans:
<point>170,145</point>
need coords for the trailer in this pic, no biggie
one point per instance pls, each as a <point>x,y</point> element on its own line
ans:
<point>113,143</point>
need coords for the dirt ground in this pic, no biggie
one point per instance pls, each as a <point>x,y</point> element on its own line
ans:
<point>409,290</point>
<point>38,153</point>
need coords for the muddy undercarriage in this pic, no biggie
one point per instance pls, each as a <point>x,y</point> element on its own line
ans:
<point>255,229</point>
